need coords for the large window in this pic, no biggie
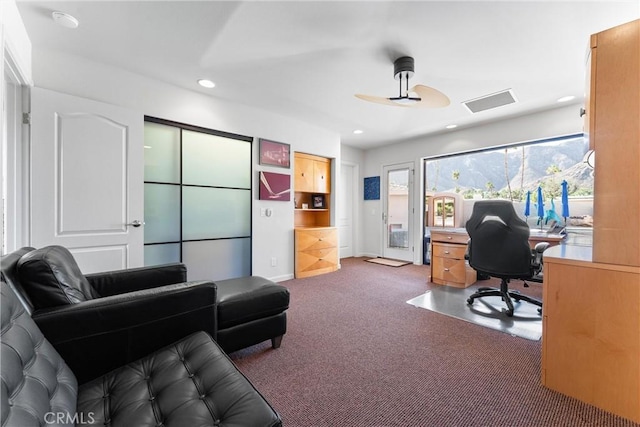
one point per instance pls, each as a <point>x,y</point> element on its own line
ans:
<point>197,200</point>
<point>510,172</point>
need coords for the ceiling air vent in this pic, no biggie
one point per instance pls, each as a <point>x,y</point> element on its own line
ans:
<point>488,102</point>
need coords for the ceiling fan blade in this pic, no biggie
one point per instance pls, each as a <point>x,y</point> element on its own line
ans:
<point>378,100</point>
<point>430,97</point>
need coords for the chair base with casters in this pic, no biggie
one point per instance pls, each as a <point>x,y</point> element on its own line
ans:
<point>506,295</point>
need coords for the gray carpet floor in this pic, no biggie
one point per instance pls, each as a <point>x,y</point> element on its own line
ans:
<point>357,355</point>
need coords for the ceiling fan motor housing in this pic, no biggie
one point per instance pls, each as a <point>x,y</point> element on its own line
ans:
<point>403,67</point>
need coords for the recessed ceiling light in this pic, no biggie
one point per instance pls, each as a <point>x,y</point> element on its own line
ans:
<point>451,126</point>
<point>65,20</point>
<point>566,98</point>
<point>358,131</point>
<point>206,83</point>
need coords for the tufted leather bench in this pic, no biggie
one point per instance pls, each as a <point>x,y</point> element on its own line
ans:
<point>188,383</point>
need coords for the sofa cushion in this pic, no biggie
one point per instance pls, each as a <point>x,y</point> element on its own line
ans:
<point>51,277</point>
<point>35,379</point>
<point>9,267</point>
<point>189,383</point>
<point>245,299</point>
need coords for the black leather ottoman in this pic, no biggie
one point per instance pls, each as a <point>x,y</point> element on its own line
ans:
<point>251,310</point>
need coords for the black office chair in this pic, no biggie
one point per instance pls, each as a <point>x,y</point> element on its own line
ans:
<point>499,247</point>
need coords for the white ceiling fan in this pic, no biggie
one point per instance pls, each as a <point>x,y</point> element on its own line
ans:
<point>418,96</point>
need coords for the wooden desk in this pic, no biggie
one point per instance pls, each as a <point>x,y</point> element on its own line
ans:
<point>448,247</point>
<point>536,236</point>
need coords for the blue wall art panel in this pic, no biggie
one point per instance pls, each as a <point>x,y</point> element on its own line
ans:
<point>372,188</point>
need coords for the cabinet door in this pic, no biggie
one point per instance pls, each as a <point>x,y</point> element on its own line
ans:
<point>304,174</point>
<point>322,174</point>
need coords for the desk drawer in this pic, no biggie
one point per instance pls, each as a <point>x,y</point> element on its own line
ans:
<point>448,271</point>
<point>449,251</point>
<point>316,260</point>
<point>444,237</point>
<point>315,239</point>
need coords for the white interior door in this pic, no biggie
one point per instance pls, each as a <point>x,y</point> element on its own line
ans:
<point>397,187</point>
<point>87,180</point>
<point>346,210</point>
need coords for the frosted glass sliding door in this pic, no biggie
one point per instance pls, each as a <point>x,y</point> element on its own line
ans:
<point>215,213</point>
<point>215,161</point>
<point>197,200</point>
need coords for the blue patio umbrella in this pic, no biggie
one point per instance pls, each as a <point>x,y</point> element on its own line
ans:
<point>540,206</point>
<point>527,205</point>
<point>565,201</point>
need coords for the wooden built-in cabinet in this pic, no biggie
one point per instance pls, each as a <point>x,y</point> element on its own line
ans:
<point>615,135</point>
<point>591,330</point>
<point>316,251</point>
<point>316,242</point>
<point>591,296</point>
<point>312,174</point>
<point>448,264</point>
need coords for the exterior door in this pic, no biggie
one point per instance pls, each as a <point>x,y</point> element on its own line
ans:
<point>87,180</point>
<point>398,211</point>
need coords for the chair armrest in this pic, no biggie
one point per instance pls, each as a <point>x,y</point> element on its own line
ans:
<point>134,279</point>
<point>97,336</point>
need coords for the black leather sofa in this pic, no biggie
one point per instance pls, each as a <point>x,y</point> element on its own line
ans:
<point>119,316</point>
<point>190,382</point>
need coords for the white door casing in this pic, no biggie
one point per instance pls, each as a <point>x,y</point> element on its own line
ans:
<point>87,169</point>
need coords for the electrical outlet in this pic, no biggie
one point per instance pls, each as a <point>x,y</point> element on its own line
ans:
<point>274,261</point>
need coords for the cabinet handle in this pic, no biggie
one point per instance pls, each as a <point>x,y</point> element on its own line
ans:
<point>446,252</point>
<point>582,112</point>
<point>449,237</point>
<point>320,239</point>
<point>446,269</point>
<point>302,173</point>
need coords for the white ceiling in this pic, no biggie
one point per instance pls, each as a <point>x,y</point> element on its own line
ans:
<point>307,59</point>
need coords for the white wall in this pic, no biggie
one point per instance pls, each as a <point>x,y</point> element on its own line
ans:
<point>560,121</point>
<point>272,236</point>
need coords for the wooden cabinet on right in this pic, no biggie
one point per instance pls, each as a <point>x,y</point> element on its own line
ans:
<point>591,330</point>
<point>591,296</point>
<point>615,136</point>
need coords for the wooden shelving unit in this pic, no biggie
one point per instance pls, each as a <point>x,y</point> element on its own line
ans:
<point>316,242</point>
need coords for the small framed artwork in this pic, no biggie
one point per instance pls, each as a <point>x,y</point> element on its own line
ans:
<point>372,188</point>
<point>275,186</point>
<point>275,154</point>
<point>318,201</point>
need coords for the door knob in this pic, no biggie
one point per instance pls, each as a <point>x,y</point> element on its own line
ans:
<point>136,223</point>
